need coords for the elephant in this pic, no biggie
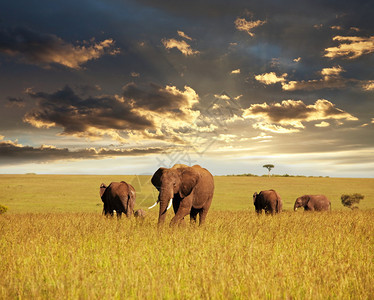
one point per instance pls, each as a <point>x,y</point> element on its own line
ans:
<point>268,200</point>
<point>189,189</point>
<point>140,214</point>
<point>118,197</point>
<point>313,203</point>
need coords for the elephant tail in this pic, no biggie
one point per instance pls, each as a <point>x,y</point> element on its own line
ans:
<point>279,203</point>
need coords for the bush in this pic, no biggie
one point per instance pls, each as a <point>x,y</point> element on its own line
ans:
<point>3,209</point>
<point>351,200</point>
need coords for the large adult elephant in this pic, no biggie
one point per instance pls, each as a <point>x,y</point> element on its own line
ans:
<point>268,200</point>
<point>118,197</point>
<point>313,203</point>
<point>188,189</point>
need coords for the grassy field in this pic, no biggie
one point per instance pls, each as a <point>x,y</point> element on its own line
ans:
<point>237,255</point>
<point>55,244</point>
<point>78,193</point>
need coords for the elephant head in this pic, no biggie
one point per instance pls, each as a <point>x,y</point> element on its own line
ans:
<point>176,182</point>
<point>102,189</point>
<point>254,197</point>
<point>301,202</point>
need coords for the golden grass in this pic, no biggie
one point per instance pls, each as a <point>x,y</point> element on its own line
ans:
<point>80,193</point>
<point>55,244</point>
<point>237,255</point>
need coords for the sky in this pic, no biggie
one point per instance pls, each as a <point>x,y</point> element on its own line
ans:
<point>126,87</point>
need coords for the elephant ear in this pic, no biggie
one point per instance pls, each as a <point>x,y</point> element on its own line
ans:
<point>156,178</point>
<point>189,179</point>
<point>102,189</point>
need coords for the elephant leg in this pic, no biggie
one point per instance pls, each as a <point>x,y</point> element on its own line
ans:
<point>202,216</point>
<point>193,215</point>
<point>183,210</point>
<point>204,211</point>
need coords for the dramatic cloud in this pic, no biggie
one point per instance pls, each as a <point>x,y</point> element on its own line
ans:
<point>141,109</point>
<point>293,113</point>
<point>270,78</point>
<point>352,48</point>
<point>182,46</point>
<point>11,152</point>
<point>243,25</point>
<point>330,79</point>
<point>47,49</point>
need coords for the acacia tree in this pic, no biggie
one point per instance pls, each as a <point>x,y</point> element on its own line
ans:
<point>269,167</point>
<point>351,201</point>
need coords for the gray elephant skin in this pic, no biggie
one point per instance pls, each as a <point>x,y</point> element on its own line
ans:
<point>269,201</point>
<point>189,189</point>
<point>313,203</point>
<point>118,197</point>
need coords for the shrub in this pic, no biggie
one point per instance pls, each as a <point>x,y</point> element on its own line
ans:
<point>3,209</point>
<point>351,200</point>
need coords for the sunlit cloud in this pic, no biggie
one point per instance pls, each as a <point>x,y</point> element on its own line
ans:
<point>351,47</point>
<point>182,46</point>
<point>293,113</point>
<point>336,27</point>
<point>145,111</point>
<point>48,49</point>
<point>242,24</point>
<point>262,136</point>
<point>298,59</point>
<point>369,85</point>
<point>270,78</point>
<point>183,35</point>
<point>330,79</point>
<point>322,124</point>
<point>274,128</point>
<point>12,152</point>
<point>237,71</point>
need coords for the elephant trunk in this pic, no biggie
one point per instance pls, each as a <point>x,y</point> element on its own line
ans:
<point>166,200</point>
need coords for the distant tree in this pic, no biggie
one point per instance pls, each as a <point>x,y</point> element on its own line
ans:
<point>269,167</point>
<point>352,200</point>
<point>3,209</point>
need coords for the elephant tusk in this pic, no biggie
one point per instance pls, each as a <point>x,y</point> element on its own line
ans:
<point>153,205</point>
<point>170,203</point>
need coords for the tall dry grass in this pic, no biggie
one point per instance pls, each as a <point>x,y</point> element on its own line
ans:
<point>237,255</point>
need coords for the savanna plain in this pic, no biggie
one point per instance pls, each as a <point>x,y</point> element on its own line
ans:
<point>55,244</point>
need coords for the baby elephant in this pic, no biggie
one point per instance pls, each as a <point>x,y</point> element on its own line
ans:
<point>118,197</point>
<point>140,214</point>
<point>269,200</point>
<point>313,203</point>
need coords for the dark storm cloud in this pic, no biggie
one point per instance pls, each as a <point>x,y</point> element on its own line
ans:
<point>14,153</point>
<point>46,49</point>
<point>77,115</point>
<point>138,109</point>
<point>159,99</point>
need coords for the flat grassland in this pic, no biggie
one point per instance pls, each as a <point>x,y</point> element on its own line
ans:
<point>55,244</point>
